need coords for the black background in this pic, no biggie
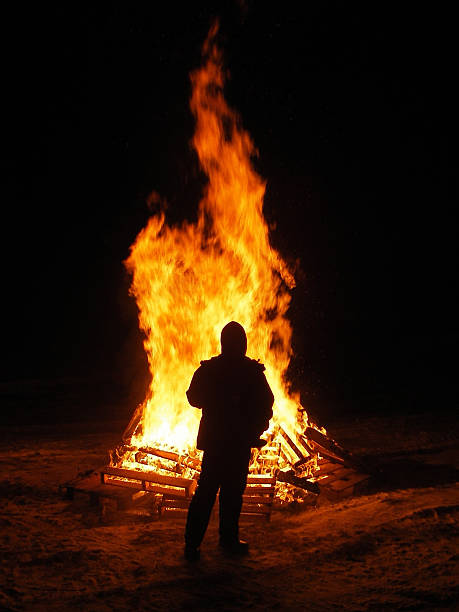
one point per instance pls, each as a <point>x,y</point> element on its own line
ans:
<point>352,111</point>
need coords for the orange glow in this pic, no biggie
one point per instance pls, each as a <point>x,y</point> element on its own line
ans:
<point>190,280</point>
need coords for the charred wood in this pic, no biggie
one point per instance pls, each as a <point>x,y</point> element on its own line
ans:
<point>331,449</point>
<point>143,458</point>
<point>305,443</point>
<point>327,455</point>
<point>303,462</point>
<point>160,453</point>
<point>130,429</point>
<point>325,442</point>
<point>302,483</point>
<point>191,462</point>
<point>291,443</point>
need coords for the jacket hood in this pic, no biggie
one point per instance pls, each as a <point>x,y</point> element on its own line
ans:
<point>233,340</point>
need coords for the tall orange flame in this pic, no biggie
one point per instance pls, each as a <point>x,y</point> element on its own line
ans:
<point>189,281</point>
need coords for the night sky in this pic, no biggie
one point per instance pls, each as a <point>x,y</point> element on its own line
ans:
<point>352,111</point>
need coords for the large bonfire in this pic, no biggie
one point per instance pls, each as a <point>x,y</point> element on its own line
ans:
<point>190,280</point>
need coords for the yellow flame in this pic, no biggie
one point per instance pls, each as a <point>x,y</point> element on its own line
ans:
<point>190,280</point>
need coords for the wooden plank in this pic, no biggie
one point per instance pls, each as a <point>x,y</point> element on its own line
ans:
<point>259,491</point>
<point>175,503</point>
<point>305,444</point>
<point>328,446</point>
<point>269,449</point>
<point>284,456</point>
<point>327,468</point>
<point>257,499</point>
<point>92,484</point>
<point>160,453</point>
<point>143,459</point>
<point>174,512</point>
<point>166,490</point>
<point>195,464</point>
<point>149,487</point>
<point>303,483</point>
<point>302,462</point>
<point>138,495</point>
<point>324,452</point>
<point>255,479</point>
<point>89,475</point>
<point>126,484</point>
<point>150,476</point>
<point>248,509</point>
<point>268,459</point>
<point>97,494</point>
<point>291,443</point>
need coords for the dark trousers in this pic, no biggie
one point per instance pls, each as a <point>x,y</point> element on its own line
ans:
<point>227,472</point>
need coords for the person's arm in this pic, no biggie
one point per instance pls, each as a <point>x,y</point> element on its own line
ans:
<point>197,391</point>
<point>263,404</point>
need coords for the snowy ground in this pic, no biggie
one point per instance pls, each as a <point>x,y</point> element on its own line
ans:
<point>393,549</point>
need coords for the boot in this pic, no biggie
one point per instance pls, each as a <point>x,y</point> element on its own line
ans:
<point>192,553</point>
<point>235,547</point>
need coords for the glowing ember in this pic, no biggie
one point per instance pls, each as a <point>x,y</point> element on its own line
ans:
<point>189,281</point>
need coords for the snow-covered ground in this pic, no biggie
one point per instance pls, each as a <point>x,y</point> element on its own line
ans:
<point>395,548</point>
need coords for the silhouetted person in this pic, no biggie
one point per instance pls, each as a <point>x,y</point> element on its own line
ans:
<point>236,403</point>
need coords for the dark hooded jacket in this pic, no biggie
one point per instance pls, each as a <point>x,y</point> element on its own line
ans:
<point>235,399</point>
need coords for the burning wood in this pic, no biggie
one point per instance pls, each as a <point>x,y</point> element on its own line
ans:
<point>302,483</point>
<point>149,481</point>
<point>160,453</point>
<point>292,445</point>
<point>309,473</point>
<point>144,459</point>
<point>330,449</point>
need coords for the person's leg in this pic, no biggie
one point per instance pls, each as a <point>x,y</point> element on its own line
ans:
<point>202,502</point>
<point>234,481</point>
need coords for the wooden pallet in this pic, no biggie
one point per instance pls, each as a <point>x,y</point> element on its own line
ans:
<point>339,477</point>
<point>338,481</point>
<point>97,494</point>
<point>174,493</point>
<point>258,496</point>
<point>257,500</point>
<point>172,486</point>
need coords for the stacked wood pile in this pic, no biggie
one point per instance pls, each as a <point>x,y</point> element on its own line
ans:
<point>287,468</point>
